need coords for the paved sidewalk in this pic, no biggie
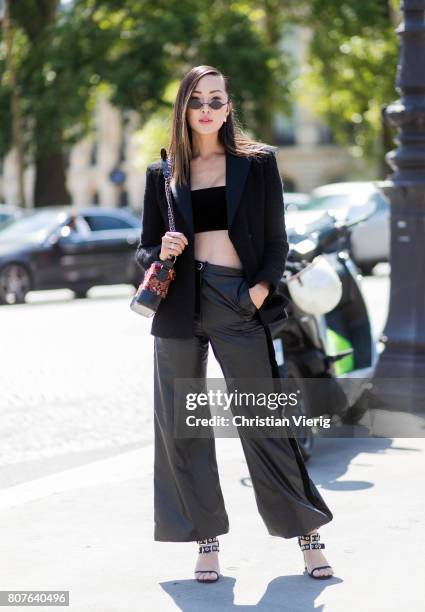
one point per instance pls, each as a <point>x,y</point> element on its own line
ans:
<point>89,530</point>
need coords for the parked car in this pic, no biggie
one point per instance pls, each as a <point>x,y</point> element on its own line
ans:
<point>9,213</point>
<point>370,241</point>
<point>63,247</point>
<point>295,200</point>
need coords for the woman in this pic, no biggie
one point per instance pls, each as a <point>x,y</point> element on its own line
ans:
<point>231,247</point>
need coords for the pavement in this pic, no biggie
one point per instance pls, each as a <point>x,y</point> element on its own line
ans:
<point>76,490</point>
<point>89,530</point>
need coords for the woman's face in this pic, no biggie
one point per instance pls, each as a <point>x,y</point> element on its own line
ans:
<point>206,120</point>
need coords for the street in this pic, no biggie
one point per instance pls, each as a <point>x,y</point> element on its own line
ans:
<point>76,471</point>
<point>79,378</point>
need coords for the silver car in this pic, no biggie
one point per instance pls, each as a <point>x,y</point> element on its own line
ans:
<point>9,213</point>
<point>370,240</point>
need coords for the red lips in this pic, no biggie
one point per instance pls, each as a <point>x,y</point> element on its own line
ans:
<point>205,120</point>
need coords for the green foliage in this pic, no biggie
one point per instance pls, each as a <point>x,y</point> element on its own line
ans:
<point>134,49</point>
<point>351,70</point>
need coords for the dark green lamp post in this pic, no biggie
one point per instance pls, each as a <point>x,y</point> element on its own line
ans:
<point>404,354</point>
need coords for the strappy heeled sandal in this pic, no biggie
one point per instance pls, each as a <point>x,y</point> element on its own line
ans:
<point>206,546</point>
<point>314,537</point>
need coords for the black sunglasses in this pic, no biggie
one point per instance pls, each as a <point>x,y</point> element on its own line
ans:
<point>196,104</point>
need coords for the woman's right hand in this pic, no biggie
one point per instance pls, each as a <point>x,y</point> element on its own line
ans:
<point>173,243</point>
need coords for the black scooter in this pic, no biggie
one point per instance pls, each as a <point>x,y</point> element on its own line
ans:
<point>337,345</point>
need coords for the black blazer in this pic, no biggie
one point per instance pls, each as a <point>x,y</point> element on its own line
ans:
<point>256,225</point>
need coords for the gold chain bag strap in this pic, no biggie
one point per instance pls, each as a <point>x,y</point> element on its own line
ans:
<point>157,279</point>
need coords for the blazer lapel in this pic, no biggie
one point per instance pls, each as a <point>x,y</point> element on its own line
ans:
<point>237,168</point>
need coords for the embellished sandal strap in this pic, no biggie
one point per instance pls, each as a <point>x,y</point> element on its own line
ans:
<point>312,546</point>
<point>208,545</point>
<point>313,537</point>
<point>311,542</point>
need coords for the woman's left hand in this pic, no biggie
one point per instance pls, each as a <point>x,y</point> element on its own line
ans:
<point>259,292</point>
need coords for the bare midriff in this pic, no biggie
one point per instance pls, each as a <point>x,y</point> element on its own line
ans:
<point>217,248</point>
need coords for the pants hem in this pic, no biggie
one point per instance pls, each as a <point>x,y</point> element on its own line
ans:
<point>190,538</point>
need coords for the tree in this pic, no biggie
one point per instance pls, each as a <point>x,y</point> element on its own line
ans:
<point>352,65</point>
<point>134,49</point>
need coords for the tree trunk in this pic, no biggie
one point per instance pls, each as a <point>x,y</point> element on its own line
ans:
<point>50,187</point>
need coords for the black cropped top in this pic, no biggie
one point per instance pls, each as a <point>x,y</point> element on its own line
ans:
<point>209,209</point>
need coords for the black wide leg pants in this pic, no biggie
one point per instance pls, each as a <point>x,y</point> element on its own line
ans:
<point>188,502</point>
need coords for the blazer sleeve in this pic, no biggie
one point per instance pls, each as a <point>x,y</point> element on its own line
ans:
<point>275,242</point>
<point>153,227</point>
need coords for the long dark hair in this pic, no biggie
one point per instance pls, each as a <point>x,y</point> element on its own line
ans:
<point>230,135</point>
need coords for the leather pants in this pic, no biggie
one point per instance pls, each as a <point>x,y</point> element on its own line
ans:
<point>188,501</point>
